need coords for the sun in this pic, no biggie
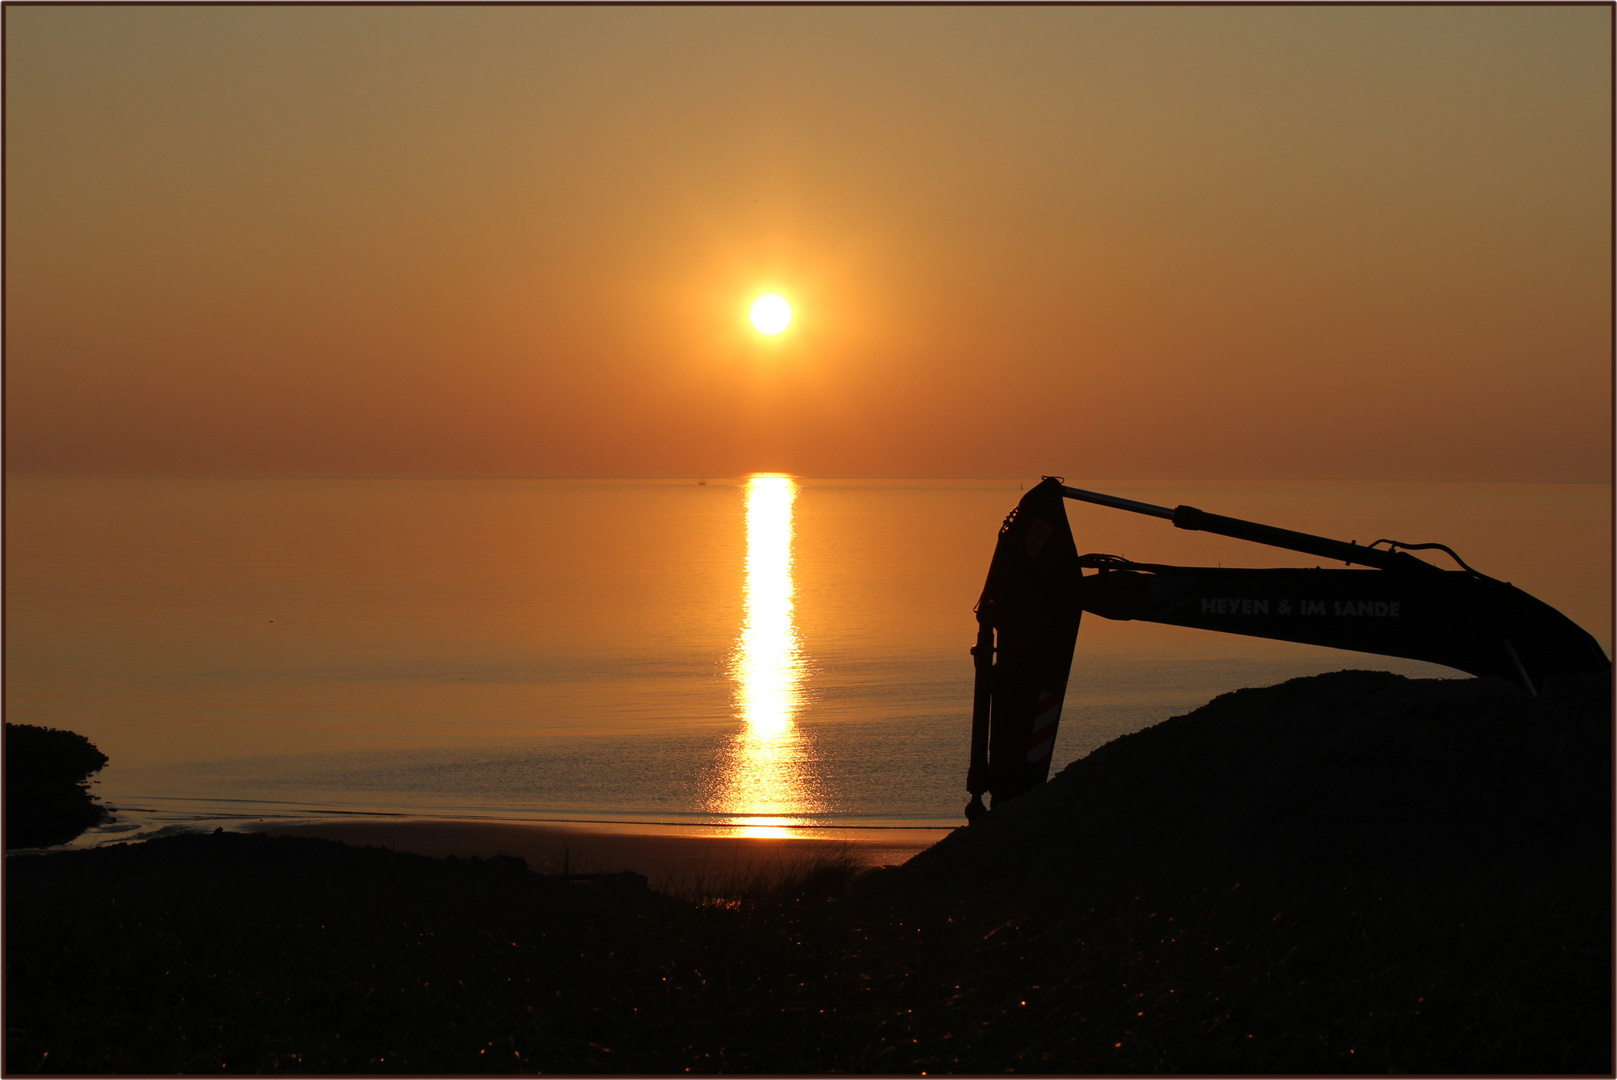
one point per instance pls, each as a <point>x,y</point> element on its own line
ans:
<point>771,314</point>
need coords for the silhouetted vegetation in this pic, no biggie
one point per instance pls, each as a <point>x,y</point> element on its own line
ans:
<point>1455,918</point>
<point>47,785</point>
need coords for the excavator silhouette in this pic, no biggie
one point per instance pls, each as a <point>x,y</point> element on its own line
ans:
<point>1027,618</point>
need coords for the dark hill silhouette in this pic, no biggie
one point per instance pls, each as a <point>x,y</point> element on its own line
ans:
<point>1354,872</point>
<point>1356,772</point>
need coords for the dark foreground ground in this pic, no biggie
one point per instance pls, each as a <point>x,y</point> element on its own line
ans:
<point>1349,873</point>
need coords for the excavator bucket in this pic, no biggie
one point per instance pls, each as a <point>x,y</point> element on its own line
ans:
<point>1027,623</point>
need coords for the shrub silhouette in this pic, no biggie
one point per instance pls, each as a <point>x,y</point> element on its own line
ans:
<point>47,785</point>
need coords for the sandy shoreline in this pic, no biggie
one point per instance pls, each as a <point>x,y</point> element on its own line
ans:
<point>664,858</point>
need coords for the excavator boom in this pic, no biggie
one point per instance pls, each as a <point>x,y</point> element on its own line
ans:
<point>1037,591</point>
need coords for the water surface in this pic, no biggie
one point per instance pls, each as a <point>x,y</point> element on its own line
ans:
<point>778,655</point>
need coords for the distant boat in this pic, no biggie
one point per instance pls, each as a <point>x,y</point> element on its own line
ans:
<point>702,482</point>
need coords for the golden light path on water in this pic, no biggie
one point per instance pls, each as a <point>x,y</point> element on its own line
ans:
<point>766,782</point>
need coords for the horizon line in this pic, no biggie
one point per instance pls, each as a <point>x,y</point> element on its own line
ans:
<point>702,478</point>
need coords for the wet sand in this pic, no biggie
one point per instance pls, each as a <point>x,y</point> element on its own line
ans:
<point>663,858</point>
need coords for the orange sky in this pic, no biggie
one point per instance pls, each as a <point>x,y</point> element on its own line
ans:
<point>1152,242</point>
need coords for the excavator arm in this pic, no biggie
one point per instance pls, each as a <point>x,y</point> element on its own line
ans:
<point>1038,589</point>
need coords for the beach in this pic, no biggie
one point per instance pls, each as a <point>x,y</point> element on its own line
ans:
<point>667,859</point>
<point>1347,873</point>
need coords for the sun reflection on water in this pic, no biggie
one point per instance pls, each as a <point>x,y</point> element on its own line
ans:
<point>766,779</point>
<point>768,663</point>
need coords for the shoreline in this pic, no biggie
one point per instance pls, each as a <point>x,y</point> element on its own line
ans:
<point>1352,873</point>
<point>665,858</point>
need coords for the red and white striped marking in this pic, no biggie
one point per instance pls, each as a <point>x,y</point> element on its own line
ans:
<point>1042,743</point>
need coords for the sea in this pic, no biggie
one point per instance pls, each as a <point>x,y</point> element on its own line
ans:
<point>765,655</point>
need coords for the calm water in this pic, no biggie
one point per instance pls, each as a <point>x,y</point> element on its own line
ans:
<point>765,653</point>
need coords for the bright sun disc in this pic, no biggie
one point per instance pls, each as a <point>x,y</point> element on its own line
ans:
<point>771,314</point>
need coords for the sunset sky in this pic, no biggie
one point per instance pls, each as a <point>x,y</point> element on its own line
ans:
<point>1156,242</point>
